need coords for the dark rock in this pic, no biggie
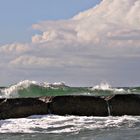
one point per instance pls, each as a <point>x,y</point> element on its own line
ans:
<point>22,107</point>
<point>125,105</point>
<point>71,105</point>
<point>79,105</point>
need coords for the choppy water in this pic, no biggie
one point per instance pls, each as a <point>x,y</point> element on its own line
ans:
<point>71,128</point>
<point>68,127</point>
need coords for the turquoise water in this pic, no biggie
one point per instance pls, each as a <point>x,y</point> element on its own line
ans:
<point>35,89</point>
<point>68,127</point>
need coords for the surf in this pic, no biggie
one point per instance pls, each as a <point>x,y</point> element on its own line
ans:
<point>29,88</point>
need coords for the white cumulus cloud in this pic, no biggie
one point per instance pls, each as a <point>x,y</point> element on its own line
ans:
<point>102,42</point>
<point>94,24</point>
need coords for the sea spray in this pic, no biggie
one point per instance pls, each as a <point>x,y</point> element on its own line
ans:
<point>29,88</point>
<point>107,87</point>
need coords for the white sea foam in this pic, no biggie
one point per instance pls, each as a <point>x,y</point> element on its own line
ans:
<point>102,86</point>
<point>54,85</point>
<point>65,124</point>
<point>12,91</point>
<point>107,87</point>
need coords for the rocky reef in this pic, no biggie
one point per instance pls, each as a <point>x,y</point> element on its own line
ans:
<point>117,105</point>
<point>79,105</point>
<point>22,107</point>
<point>125,105</point>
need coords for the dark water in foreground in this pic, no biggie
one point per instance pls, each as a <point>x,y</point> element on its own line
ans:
<point>112,135</point>
<point>68,127</point>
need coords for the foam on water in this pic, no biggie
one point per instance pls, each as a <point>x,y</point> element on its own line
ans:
<point>65,124</point>
<point>36,89</point>
<point>107,87</point>
<point>12,91</point>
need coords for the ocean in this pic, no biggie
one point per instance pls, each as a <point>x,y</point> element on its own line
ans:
<point>42,127</point>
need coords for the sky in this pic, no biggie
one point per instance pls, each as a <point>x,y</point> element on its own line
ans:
<point>18,16</point>
<point>81,43</point>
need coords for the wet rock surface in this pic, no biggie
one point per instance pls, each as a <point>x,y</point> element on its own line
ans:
<point>124,105</point>
<point>22,107</point>
<point>79,105</point>
<point>116,105</point>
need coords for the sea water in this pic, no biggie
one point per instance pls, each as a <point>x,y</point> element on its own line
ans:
<point>71,128</point>
<point>42,127</point>
<point>35,89</point>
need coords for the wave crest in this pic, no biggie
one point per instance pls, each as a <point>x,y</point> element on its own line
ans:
<point>13,91</point>
<point>107,87</point>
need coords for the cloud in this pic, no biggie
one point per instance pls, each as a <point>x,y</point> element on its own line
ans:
<point>125,35</point>
<point>26,61</point>
<point>31,61</point>
<point>15,48</point>
<point>94,24</point>
<point>89,44</point>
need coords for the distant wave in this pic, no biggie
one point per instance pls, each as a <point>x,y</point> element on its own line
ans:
<point>106,87</point>
<point>29,88</point>
<point>27,85</point>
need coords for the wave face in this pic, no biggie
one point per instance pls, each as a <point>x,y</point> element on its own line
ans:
<point>35,89</point>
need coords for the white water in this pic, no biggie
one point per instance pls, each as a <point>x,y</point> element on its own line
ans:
<point>54,124</point>
<point>12,91</point>
<point>107,87</point>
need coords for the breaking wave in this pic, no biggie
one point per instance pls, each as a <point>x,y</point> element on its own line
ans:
<point>36,89</point>
<point>29,88</point>
<point>107,87</point>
